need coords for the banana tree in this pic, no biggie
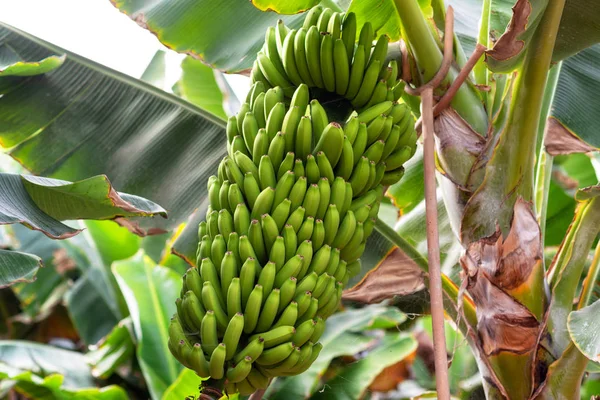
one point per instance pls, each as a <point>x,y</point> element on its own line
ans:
<point>497,131</point>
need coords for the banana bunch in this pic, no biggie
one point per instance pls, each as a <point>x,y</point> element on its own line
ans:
<point>291,207</point>
<point>324,54</point>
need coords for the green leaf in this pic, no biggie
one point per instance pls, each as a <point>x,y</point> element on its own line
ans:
<point>590,388</point>
<point>576,102</point>
<point>12,64</point>
<point>41,203</point>
<point>113,351</point>
<point>149,291</point>
<point>337,341</point>
<point>155,72</point>
<point>568,264</point>
<point>42,360</point>
<point>50,387</point>
<point>186,386</point>
<point>225,35</point>
<point>112,241</point>
<point>17,267</point>
<point>352,382</point>
<point>584,325</point>
<point>83,119</point>
<point>40,296</point>
<point>285,6</point>
<point>199,86</point>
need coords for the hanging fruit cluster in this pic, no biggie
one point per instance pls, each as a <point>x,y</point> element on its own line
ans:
<point>293,203</point>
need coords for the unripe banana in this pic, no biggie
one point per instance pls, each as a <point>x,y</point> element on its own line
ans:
<point>351,128</point>
<point>357,72</point>
<point>289,61</point>
<point>296,218</point>
<point>366,40</point>
<point>266,173</point>
<point>311,312</point>
<point>208,332</point>
<point>193,282</point>
<point>281,213</point>
<point>266,279</point>
<point>341,67</point>
<point>261,146</point>
<point>252,310</point>
<point>325,167</point>
<point>368,85</point>
<point>275,355</point>
<point>303,145</point>
<point>324,197</point>
<point>290,126</point>
<point>245,388</point>
<point>234,298</point>
<point>264,203</point>
<point>275,336</point>
<point>312,169</point>
<point>360,175</point>
<point>255,236</point>
<point>308,283</point>
<point>277,150</point>
<point>223,200</point>
<point>391,177</point>
<point>380,51</point>
<point>312,17</point>
<point>299,167</point>
<point>248,275</point>
<point>217,362</point>
<point>318,236</point>
<point>286,293</point>
<point>326,59</point>
<point>251,189</point>
<point>347,254</point>
<point>288,316</point>
<point>397,158</point>
<point>349,34</point>
<point>268,312</point>
<point>272,97</point>
<point>375,111</point>
<point>275,120</point>
<point>218,249</point>
<point>257,379</point>
<point>277,253</point>
<point>346,162</point>
<point>379,94</point>
<point>360,144</point>
<point>306,251</point>
<point>209,273</point>
<point>232,335</point>
<point>193,309</point>
<point>331,142</point>
<point>306,229</point>
<point>289,269</point>
<point>212,302</point>
<point>240,371</point>
<point>319,119</point>
<point>287,164</point>
<point>303,300</point>
<point>300,57</point>
<point>324,18</point>
<point>331,223</point>
<point>312,48</point>
<point>290,240</point>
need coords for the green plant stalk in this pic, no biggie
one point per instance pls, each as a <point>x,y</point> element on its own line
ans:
<point>480,70</point>
<point>449,288</point>
<point>429,59</point>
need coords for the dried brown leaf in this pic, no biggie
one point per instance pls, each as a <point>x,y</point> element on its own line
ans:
<point>560,140</point>
<point>395,275</point>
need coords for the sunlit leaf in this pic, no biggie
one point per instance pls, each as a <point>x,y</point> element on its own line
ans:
<point>113,351</point>
<point>583,326</point>
<point>285,6</point>
<point>149,291</point>
<point>83,119</point>
<point>155,72</point>
<point>199,86</point>
<point>225,34</point>
<point>17,267</point>
<point>337,341</point>
<point>186,386</point>
<point>352,382</point>
<point>12,64</point>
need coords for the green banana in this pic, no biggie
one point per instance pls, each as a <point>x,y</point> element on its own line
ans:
<point>312,48</point>
<point>234,298</point>
<point>208,332</point>
<point>266,279</point>
<point>251,189</point>
<point>365,39</point>
<point>318,236</point>
<point>255,236</point>
<point>275,336</point>
<point>312,169</point>
<point>368,85</point>
<point>268,312</point>
<point>286,293</point>
<point>319,119</point>
<point>287,164</point>
<point>252,310</point>
<point>349,34</point>
<point>240,371</point>
<point>303,144</point>
<point>266,173</point>
<point>289,61</point>
<point>326,59</point>
<point>346,162</point>
<point>300,57</point>
<point>277,253</point>
<point>217,362</point>
<point>341,67</point>
<point>331,142</point>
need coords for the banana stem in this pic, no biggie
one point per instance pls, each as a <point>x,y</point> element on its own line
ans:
<point>433,250</point>
<point>429,59</point>
<point>258,395</point>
